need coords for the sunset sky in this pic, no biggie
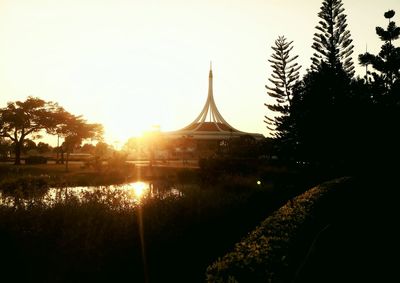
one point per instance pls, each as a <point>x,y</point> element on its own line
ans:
<point>132,64</point>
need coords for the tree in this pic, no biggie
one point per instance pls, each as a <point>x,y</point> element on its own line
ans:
<point>5,148</point>
<point>43,147</point>
<point>88,148</point>
<point>384,87</point>
<point>74,130</point>
<point>324,109</point>
<point>387,62</point>
<point>28,145</point>
<point>22,119</point>
<point>321,115</point>
<point>285,73</point>
<point>332,42</point>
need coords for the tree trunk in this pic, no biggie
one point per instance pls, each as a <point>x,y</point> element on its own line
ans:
<point>58,149</point>
<point>66,162</point>
<point>18,146</point>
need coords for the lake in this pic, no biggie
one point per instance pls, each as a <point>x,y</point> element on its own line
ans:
<point>117,196</point>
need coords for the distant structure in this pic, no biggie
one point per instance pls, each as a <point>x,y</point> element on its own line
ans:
<point>210,129</point>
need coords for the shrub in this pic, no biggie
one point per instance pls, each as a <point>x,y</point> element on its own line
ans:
<point>269,253</point>
<point>36,160</point>
<point>25,186</point>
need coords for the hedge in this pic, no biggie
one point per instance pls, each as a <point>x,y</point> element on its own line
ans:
<point>273,251</point>
<point>36,160</point>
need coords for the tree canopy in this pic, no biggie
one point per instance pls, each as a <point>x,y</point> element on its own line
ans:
<point>22,119</point>
<point>332,41</point>
<point>27,118</point>
<point>285,73</point>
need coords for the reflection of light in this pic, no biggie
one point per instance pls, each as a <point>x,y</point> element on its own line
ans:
<point>139,189</point>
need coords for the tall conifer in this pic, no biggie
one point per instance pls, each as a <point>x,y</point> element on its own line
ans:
<point>332,41</point>
<point>285,73</point>
<point>387,62</point>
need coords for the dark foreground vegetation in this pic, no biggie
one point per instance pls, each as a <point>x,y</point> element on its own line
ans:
<point>344,233</point>
<point>340,231</point>
<point>273,251</point>
<point>330,233</point>
<point>97,238</point>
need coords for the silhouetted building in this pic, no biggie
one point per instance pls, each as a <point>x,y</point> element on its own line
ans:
<point>209,130</point>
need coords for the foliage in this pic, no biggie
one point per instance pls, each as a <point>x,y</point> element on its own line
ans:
<point>5,148</point>
<point>75,129</point>
<point>25,186</point>
<point>23,118</point>
<point>270,253</point>
<point>323,113</point>
<point>384,89</point>
<point>332,41</point>
<point>284,75</point>
<point>387,62</point>
<point>43,147</point>
<point>35,160</point>
<point>97,237</point>
<point>28,145</point>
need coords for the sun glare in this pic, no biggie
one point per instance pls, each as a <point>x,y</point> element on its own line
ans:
<point>139,189</point>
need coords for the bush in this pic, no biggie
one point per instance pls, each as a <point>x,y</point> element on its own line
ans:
<point>25,186</point>
<point>271,252</point>
<point>36,160</point>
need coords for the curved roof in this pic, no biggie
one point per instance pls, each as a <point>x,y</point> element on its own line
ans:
<point>216,127</point>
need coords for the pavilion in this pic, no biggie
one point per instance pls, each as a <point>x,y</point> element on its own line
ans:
<point>210,129</point>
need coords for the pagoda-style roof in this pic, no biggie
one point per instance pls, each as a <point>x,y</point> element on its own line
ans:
<point>208,127</point>
<point>210,124</point>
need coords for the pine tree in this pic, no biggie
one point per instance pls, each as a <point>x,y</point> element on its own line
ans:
<point>387,62</point>
<point>385,90</point>
<point>332,43</point>
<point>285,73</point>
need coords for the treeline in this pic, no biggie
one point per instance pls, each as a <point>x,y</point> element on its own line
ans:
<point>22,121</point>
<point>329,117</point>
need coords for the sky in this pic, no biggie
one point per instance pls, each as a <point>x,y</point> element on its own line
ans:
<point>131,64</point>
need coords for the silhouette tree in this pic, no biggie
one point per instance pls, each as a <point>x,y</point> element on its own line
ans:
<point>322,114</point>
<point>43,147</point>
<point>5,148</point>
<point>384,87</point>
<point>285,73</point>
<point>332,41</point>
<point>74,130</point>
<point>28,145</point>
<point>88,148</point>
<point>387,62</point>
<point>324,107</point>
<point>21,119</point>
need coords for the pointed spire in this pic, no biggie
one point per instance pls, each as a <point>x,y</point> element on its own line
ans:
<point>210,113</point>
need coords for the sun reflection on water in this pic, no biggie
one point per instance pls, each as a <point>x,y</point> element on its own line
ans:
<point>117,196</point>
<point>140,189</point>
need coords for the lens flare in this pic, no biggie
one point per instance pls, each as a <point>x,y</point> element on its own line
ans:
<point>140,189</point>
